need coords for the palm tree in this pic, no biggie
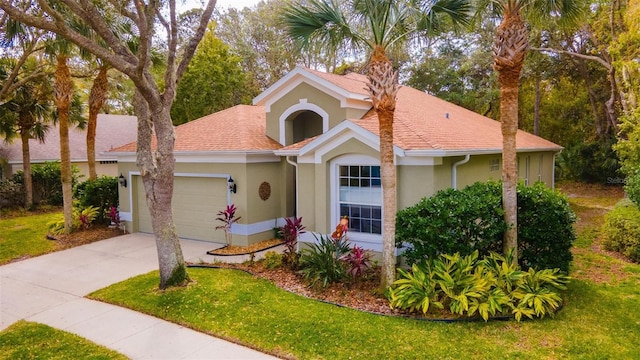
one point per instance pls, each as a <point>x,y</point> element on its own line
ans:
<point>378,26</point>
<point>509,50</point>
<point>97,98</point>
<point>63,96</point>
<point>24,114</point>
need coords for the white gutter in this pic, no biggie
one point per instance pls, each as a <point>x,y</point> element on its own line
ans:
<point>454,170</point>
<point>295,165</point>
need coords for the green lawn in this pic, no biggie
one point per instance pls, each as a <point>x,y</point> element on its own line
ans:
<point>600,320</point>
<point>27,340</point>
<point>25,236</point>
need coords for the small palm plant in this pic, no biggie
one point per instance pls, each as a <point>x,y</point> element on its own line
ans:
<point>227,217</point>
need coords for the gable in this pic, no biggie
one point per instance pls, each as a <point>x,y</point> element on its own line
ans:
<point>310,94</point>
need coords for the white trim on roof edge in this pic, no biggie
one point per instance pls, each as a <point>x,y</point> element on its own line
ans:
<point>303,105</point>
<point>213,157</point>
<point>346,130</point>
<point>298,76</point>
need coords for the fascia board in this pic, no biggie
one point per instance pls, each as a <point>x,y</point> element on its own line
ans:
<point>298,76</point>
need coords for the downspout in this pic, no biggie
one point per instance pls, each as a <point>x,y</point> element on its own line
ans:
<point>454,170</point>
<point>295,165</point>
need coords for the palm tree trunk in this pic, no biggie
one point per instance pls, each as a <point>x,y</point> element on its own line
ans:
<point>510,46</point>
<point>157,171</point>
<point>383,87</point>
<point>63,93</point>
<point>26,169</point>
<point>97,98</point>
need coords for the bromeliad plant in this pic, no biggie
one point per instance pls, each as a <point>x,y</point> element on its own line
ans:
<point>488,287</point>
<point>322,263</point>
<point>227,217</point>
<point>289,232</point>
<point>358,262</point>
<point>332,260</point>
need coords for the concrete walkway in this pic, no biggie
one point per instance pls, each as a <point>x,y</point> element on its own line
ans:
<point>50,289</point>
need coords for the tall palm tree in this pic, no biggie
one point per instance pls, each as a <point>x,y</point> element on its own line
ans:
<point>510,47</point>
<point>25,114</point>
<point>63,95</point>
<point>378,26</point>
<point>97,98</point>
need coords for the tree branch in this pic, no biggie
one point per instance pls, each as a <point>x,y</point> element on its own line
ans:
<point>582,56</point>
<point>190,49</point>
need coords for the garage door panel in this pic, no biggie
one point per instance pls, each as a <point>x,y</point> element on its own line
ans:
<point>196,201</point>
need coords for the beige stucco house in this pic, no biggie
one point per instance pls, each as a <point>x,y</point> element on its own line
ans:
<point>308,146</point>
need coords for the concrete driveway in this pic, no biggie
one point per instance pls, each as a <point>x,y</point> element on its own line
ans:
<point>50,289</point>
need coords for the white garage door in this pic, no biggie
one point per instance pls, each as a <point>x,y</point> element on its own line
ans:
<point>196,201</point>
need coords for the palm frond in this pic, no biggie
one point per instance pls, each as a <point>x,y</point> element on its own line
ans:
<point>320,21</point>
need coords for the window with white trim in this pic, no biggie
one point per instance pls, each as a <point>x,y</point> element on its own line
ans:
<point>360,197</point>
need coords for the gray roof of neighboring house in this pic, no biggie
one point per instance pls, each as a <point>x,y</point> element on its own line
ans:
<point>112,131</point>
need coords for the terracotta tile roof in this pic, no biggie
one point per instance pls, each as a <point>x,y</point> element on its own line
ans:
<point>240,128</point>
<point>111,131</point>
<point>352,82</point>
<point>425,122</point>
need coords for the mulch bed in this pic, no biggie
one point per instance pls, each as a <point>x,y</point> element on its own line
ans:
<point>241,250</point>
<point>363,295</point>
<point>86,236</point>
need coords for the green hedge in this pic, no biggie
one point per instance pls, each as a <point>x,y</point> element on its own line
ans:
<point>463,221</point>
<point>621,230</point>
<point>101,193</point>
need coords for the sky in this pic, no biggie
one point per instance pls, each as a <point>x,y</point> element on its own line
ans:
<point>238,4</point>
<point>223,4</point>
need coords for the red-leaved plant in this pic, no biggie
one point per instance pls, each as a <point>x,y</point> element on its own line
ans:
<point>227,217</point>
<point>289,232</point>
<point>358,262</point>
<point>114,216</point>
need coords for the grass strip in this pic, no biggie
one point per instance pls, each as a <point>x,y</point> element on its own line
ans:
<point>25,236</point>
<point>28,340</point>
<point>598,321</point>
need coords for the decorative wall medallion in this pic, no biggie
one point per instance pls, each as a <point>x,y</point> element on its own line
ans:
<point>264,191</point>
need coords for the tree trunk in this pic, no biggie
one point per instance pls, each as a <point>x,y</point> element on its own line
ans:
<point>510,46</point>
<point>383,87</point>
<point>156,169</point>
<point>536,109</point>
<point>63,93</point>
<point>26,169</point>
<point>97,98</point>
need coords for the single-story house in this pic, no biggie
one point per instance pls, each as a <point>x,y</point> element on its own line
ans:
<point>309,147</point>
<point>112,131</point>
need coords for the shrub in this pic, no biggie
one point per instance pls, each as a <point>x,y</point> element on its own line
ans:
<point>11,194</point>
<point>488,287</point>
<point>545,228</point>
<point>471,219</point>
<point>321,264</point>
<point>588,161</point>
<point>622,230</point>
<point>47,184</point>
<point>453,221</point>
<point>101,193</point>
<point>272,260</point>
<point>632,187</point>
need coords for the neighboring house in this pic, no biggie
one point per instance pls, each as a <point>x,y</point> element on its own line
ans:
<point>309,147</point>
<point>112,131</point>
